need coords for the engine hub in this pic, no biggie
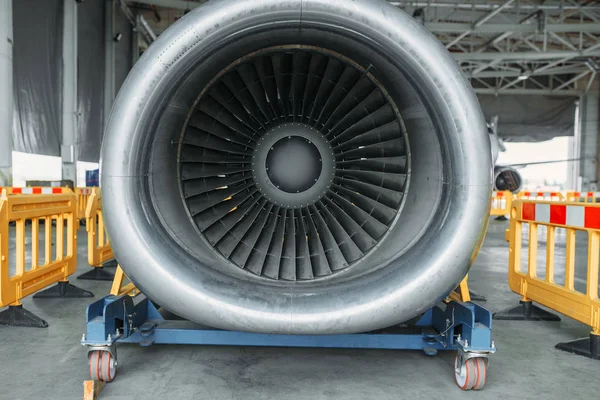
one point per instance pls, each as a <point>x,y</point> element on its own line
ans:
<point>293,165</point>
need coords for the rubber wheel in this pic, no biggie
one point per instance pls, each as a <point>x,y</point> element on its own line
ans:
<point>94,359</point>
<point>481,373</point>
<point>466,375</point>
<point>102,366</point>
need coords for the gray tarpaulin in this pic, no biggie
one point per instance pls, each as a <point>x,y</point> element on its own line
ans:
<point>37,66</point>
<point>123,48</point>
<point>90,81</point>
<point>37,74</point>
<point>531,118</point>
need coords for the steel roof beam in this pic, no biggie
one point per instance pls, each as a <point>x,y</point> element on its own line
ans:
<point>544,92</point>
<point>480,22</point>
<point>516,74</point>
<point>488,5</point>
<point>526,55</point>
<point>453,27</point>
<point>483,6</point>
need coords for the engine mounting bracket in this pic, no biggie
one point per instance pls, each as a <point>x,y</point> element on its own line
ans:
<point>456,326</point>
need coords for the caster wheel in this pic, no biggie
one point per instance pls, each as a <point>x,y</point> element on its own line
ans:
<point>466,376</point>
<point>103,366</point>
<point>481,373</point>
<point>430,351</point>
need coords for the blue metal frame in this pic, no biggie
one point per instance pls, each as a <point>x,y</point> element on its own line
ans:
<point>123,319</point>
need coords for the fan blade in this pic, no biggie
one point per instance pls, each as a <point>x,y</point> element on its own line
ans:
<point>288,258</point>
<point>334,256</point>
<point>303,265</point>
<point>273,262</point>
<point>199,138</point>
<point>317,252</point>
<point>256,262</point>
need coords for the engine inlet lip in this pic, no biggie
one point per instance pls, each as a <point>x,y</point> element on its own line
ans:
<point>148,238</point>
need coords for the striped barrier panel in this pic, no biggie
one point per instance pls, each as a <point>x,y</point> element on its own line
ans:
<point>36,190</point>
<point>501,203</point>
<point>581,305</point>
<point>583,197</point>
<point>548,196</point>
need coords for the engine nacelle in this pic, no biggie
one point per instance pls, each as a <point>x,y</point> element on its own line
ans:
<point>507,178</point>
<point>306,167</point>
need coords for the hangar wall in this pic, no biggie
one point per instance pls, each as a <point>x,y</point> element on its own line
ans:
<point>38,75</point>
<point>531,118</point>
<point>6,98</point>
<point>588,142</point>
<point>106,39</point>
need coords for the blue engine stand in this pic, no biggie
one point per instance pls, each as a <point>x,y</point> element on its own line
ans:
<point>462,327</point>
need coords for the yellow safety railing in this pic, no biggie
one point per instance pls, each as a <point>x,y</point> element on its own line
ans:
<point>573,217</point>
<point>583,197</point>
<point>83,194</point>
<point>501,203</point>
<point>99,249</point>
<point>58,212</point>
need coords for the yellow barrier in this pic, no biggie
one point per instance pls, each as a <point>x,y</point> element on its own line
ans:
<point>36,190</point>
<point>99,249</point>
<point>501,203</point>
<point>548,196</point>
<point>83,194</point>
<point>117,288</point>
<point>583,197</point>
<point>464,294</point>
<point>564,298</point>
<point>56,243</point>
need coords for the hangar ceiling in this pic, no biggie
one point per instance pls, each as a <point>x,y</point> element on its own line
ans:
<point>505,47</point>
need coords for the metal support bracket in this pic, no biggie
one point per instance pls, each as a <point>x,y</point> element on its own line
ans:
<point>462,327</point>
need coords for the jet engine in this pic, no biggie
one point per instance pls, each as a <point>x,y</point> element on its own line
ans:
<point>296,166</point>
<point>507,178</point>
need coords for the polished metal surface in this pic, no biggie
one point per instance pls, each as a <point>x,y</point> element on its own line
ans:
<point>419,254</point>
<point>507,178</point>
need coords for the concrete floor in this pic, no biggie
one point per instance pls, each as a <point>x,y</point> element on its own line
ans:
<point>50,364</point>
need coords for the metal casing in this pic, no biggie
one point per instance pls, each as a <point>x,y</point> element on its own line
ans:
<point>438,232</point>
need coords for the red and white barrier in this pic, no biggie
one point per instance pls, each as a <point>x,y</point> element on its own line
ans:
<point>580,216</point>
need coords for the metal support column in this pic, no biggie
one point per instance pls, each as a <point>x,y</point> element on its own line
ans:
<point>589,110</point>
<point>6,92</point>
<point>109,59</point>
<point>573,176</point>
<point>135,39</point>
<point>68,148</point>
